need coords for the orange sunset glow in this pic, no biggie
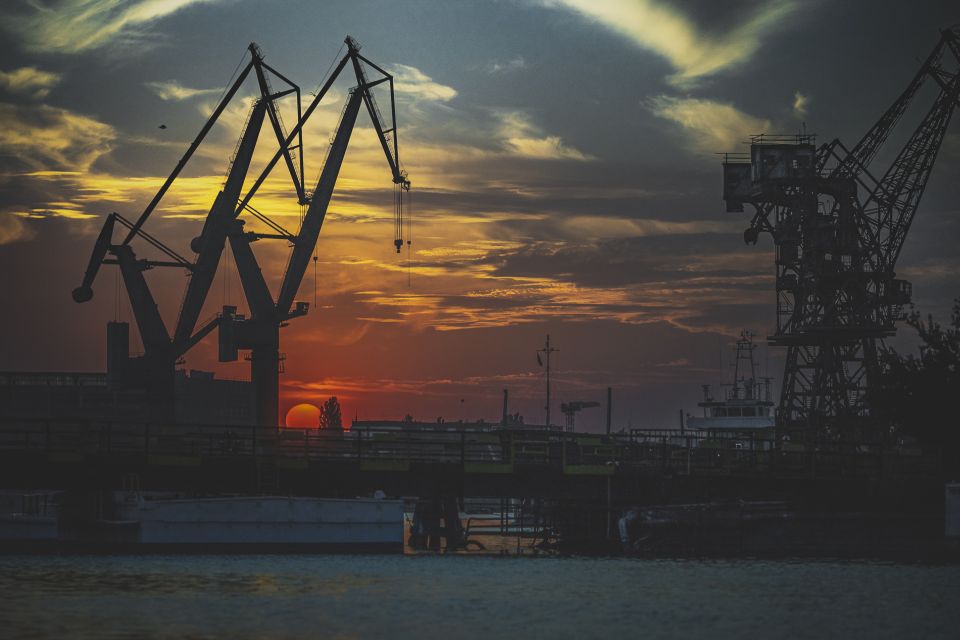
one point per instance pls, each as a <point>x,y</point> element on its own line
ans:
<point>303,416</point>
<point>592,214</point>
<point>479,319</point>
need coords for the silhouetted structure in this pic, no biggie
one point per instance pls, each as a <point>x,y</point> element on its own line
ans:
<point>154,370</point>
<point>201,398</point>
<point>838,231</point>
<point>571,409</point>
<point>546,351</point>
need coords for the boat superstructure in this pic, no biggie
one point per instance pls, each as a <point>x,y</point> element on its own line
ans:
<point>745,405</point>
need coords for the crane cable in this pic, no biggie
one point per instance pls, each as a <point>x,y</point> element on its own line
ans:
<point>409,237</point>
<point>398,224</point>
<point>327,73</point>
<point>232,76</point>
<point>397,214</point>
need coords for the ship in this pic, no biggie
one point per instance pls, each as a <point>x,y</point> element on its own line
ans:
<point>745,410</point>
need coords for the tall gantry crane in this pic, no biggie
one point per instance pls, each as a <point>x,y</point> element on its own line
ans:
<point>838,228</point>
<point>154,371</point>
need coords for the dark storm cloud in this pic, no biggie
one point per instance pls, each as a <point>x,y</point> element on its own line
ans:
<point>716,18</point>
<point>530,207</point>
<point>625,261</point>
<point>756,316</point>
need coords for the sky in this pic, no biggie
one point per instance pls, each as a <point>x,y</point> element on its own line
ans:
<point>563,157</point>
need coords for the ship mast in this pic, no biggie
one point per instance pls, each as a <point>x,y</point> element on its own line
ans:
<point>547,350</point>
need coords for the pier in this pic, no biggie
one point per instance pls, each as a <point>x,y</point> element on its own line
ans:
<point>578,473</point>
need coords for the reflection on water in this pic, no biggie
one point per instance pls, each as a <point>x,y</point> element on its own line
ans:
<point>470,597</point>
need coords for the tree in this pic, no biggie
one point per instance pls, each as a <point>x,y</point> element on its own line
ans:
<point>330,417</point>
<point>916,394</point>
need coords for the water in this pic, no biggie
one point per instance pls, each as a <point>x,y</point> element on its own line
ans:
<point>455,597</point>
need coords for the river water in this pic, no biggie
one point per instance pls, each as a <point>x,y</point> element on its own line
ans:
<point>453,597</point>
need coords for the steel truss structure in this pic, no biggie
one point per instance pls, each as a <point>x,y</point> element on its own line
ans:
<point>838,229</point>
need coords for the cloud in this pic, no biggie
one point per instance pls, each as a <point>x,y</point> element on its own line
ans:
<point>446,136</point>
<point>514,64</point>
<point>72,26</point>
<point>414,83</point>
<point>800,104</point>
<point>522,138</point>
<point>173,90</point>
<point>597,227</point>
<point>41,137</point>
<point>13,229</point>
<point>633,272</point>
<point>668,32</point>
<point>29,81</point>
<point>712,126</point>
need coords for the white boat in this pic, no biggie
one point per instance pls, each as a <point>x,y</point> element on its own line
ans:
<point>746,408</point>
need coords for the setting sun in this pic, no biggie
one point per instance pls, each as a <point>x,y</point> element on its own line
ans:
<point>303,416</point>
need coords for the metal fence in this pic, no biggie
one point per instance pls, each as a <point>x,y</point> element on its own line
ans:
<point>662,451</point>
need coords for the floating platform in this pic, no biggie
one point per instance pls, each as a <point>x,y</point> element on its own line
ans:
<point>229,524</point>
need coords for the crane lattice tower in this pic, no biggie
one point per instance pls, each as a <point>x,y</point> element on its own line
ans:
<point>838,227</point>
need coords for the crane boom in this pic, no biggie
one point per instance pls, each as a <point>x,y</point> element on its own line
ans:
<point>277,123</point>
<point>152,330</point>
<point>254,286</point>
<point>213,238</point>
<point>374,111</point>
<point>84,292</point>
<point>890,208</point>
<point>293,134</point>
<point>313,220</point>
<point>859,158</point>
<point>189,153</point>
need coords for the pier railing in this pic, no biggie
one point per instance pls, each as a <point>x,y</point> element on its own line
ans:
<point>489,451</point>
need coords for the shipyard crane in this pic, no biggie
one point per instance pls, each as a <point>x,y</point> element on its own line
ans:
<point>838,227</point>
<point>154,370</point>
<point>260,333</point>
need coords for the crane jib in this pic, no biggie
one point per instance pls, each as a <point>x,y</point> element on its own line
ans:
<point>317,211</point>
